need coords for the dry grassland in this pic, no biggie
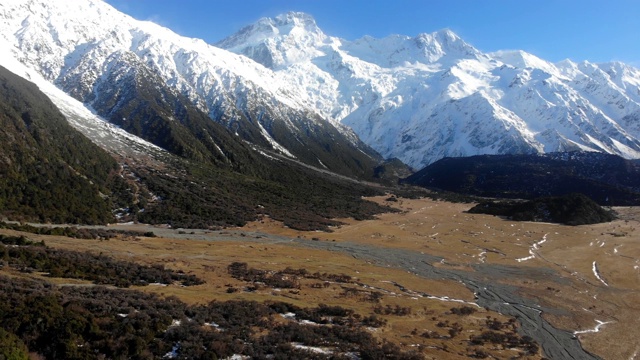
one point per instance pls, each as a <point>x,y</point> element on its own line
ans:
<point>461,239</point>
<point>436,228</point>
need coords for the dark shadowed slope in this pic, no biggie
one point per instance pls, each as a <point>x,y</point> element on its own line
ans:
<point>607,179</point>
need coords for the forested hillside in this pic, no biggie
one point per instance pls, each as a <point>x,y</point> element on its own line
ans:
<point>607,179</point>
<point>49,172</point>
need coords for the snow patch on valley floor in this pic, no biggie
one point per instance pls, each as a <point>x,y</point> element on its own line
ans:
<point>596,272</point>
<point>533,248</point>
<point>173,353</point>
<point>594,330</point>
<point>237,357</point>
<point>314,349</point>
<point>615,249</point>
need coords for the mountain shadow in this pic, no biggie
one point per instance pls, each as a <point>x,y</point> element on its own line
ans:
<point>607,179</point>
<point>571,209</point>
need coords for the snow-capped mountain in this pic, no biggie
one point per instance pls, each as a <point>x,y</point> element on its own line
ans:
<point>285,85</point>
<point>432,96</point>
<point>97,129</point>
<point>108,60</point>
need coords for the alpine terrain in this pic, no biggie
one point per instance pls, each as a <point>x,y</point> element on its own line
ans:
<point>431,96</point>
<point>181,164</point>
<point>112,65</point>
<point>165,198</point>
<point>294,90</point>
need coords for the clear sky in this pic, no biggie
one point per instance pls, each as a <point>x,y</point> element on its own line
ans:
<point>593,30</point>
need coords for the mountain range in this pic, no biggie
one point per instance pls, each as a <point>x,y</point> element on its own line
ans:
<point>280,118</point>
<point>111,65</point>
<point>174,163</point>
<point>431,96</point>
<point>282,84</point>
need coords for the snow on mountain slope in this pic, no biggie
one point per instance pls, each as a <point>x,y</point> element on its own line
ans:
<point>83,46</point>
<point>101,132</point>
<point>67,40</point>
<point>425,97</point>
<point>259,40</point>
<point>294,89</point>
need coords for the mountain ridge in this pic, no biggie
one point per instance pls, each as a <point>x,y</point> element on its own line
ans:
<point>401,94</point>
<point>607,179</point>
<point>416,98</point>
<point>86,56</point>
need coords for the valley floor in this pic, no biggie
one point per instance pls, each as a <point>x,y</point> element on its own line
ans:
<point>575,290</point>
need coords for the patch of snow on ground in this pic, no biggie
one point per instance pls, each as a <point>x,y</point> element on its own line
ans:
<point>273,142</point>
<point>594,267</point>
<point>308,322</point>
<point>288,315</point>
<point>213,325</point>
<point>448,299</point>
<point>266,155</point>
<point>314,349</point>
<point>482,256</point>
<point>173,353</point>
<point>533,248</point>
<point>594,330</point>
<point>237,357</point>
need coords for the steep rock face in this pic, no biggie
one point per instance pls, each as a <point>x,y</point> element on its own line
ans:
<point>86,56</point>
<point>433,95</point>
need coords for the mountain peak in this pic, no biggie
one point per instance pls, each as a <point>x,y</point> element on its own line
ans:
<point>443,43</point>
<point>286,24</point>
<point>446,34</point>
<point>296,18</point>
<point>283,40</point>
<point>524,60</point>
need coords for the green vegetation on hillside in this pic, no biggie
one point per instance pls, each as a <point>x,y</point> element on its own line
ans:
<point>220,179</point>
<point>205,196</point>
<point>97,323</point>
<point>572,209</point>
<point>607,179</point>
<point>49,172</point>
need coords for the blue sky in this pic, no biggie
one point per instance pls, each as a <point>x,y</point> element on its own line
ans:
<point>593,30</point>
